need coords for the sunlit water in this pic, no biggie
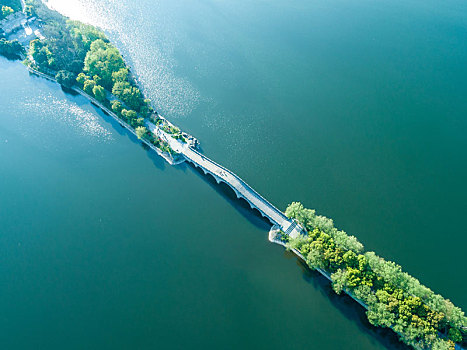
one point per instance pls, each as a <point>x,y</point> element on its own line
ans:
<point>357,109</point>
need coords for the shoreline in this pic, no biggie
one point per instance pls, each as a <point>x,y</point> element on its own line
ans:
<point>272,238</point>
<point>91,99</point>
<point>167,155</point>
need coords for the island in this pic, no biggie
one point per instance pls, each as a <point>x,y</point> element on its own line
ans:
<point>81,58</point>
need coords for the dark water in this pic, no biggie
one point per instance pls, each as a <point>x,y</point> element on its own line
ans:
<point>356,109</point>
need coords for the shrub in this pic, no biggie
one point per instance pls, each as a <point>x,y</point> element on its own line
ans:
<point>116,106</point>
<point>65,78</point>
<point>81,79</point>
<point>6,11</point>
<point>99,93</point>
<point>141,132</point>
<point>89,86</point>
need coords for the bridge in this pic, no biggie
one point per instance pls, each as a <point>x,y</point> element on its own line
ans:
<point>240,187</point>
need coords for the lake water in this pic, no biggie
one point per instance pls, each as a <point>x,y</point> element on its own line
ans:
<point>356,109</point>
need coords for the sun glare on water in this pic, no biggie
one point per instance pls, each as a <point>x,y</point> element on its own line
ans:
<point>86,11</point>
<point>71,8</point>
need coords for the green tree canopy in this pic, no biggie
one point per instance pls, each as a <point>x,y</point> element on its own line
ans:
<point>65,78</point>
<point>81,79</point>
<point>103,59</point>
<point>41,54</point>
<point>99,93</point>
<point>116,106</point>
<point>14,4</point>
<point>131,114</point>
<point>11,49</point>
<point>84,34</point>
<point>120,76</point>
<point>141,131</point>
<point>393,297</point>
<point>130,95</point>
<point>89,87</point>
<point>6,11</point>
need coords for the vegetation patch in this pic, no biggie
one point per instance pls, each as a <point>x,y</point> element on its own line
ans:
<point>11,49</point>
<point>14,5</point>
<point>393,298</point>
<point>80,55</point>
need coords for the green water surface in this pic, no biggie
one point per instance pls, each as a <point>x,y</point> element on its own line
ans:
<point>357,109</point>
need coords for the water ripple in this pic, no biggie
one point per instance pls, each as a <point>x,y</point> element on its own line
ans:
<point>153,64</point>
<point>48,107</point>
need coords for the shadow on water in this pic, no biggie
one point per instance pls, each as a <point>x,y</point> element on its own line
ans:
<point>70,92</point>
<point>348,307</point>
<point>80,100</point>
<point>157,160</point>
<point>239,204</point>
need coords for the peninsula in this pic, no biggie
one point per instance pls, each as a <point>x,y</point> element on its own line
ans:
<point>80,57</point>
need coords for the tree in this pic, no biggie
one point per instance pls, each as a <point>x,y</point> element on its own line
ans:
<point>116,106</point>
<point>97,79</point>
<point>140,121</point>
<point>440,344</point>
<point>131,115</point>
<point>119,87</point>
<point>84,34</point>
<point>6,11</point>
<point>455,335</point>
<point>347,242</point>
<point>315,260</point>
<point>120,76</point>
<point>14,4</point>
<point>41,54</point>
<point>379,315</point>
<point>339,280</point>
<point>141,131</point>
<point>146,108</point>
<point>298,212</point>
<point>76,66</point>
<point>11,49</point>
<point>30,11</point>
<point>124,112</point>
<point>65,78</point>
<point>103,60</point>
<point>81,79</point>
<point>130,95</point>
<point>89,86</point>
<point>99,93</point>
<point>365,293</point>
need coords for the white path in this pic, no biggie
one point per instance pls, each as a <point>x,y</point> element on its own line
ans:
<point>241,188</point>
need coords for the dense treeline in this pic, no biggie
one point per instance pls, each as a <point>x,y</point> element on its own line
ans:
<point>75,50</point>
<point>79,54</point>
<point>394,298</point>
